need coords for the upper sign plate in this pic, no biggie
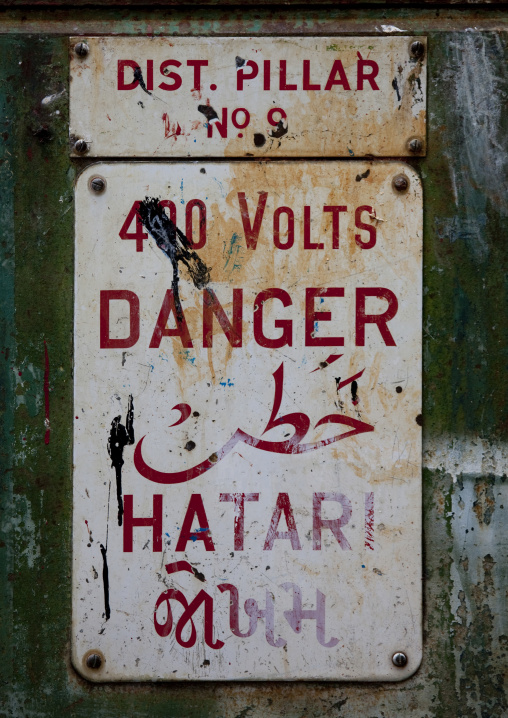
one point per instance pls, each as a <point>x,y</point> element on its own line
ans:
<point>248,97</point>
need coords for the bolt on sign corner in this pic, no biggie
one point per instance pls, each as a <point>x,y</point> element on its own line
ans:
<point>248,97</point>
<point>247,435</point>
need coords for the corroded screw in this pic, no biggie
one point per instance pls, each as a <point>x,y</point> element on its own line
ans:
<point>399,659</point>
<point>98,184</point>
<point>415,145</point>
<point>81,146</point>
<point>94,661</point>
<point>81,49</point>
<point>417,49</point>
<point>400,183</point>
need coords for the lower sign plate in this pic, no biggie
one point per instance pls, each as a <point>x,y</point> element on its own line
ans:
<point>247,441</point>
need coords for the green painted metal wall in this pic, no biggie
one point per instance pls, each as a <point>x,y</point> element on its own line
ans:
<point>465,179</point>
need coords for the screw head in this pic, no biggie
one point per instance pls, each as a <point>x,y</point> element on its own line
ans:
<point>399,659</point>
<point>415,145</point>
<point>81,146</point>
<point>417,49</point>
<point>400,183</point>
<point>94,661</point>
<point>98,184</point>
<point>81,49</point>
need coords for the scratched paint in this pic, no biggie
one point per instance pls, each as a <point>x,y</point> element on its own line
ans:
<point>286,453</point>
<point>248,97</point>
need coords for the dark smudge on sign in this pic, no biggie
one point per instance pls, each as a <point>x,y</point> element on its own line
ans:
<point>120,436</point>
<point>175,246</point>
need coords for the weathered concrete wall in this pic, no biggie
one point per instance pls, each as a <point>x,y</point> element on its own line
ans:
<point>465,354</point>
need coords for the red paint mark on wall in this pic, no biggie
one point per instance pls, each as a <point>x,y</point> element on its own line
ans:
<point>329,360</point>
<point>46,394</point>
<point>369,520</point>
<point>89,532</point>
<point>171,129</point>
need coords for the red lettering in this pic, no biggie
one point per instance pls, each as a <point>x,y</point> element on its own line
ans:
<point>290,230</point>
<point>335,210</point>
<point>175,77</point>
<point>197,65</point>
<point>139,235</point>
<point>283,505</point>
<point>161,330</point>
<point>129,521</point>
<point>307,244</point>
<point>239,502</point>
<point>252,231</point>
<point>201,223</point>
<point>195,509</point>
<point>379,319</point>
<point>361,225</point>
<point>361,75</point>
<point>246,118</point>
<point>168,204</point>
<point>270,116</point>
<point>222,127</point>
<point>312,316</point>
<point>266,74</point>
<point>337,68</point>
<point>283,79</point>
<point>121,84</point>
<point>106,296</point>
<point>241,75</point>
<point>149,75</point>
<point>211,307</point>
<point>334,525</point>
<point>286,338</point>
<point>306,77</point>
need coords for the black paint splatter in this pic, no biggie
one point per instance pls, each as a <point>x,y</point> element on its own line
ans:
<point>280,131</point>
<point>175,245</point>
<point>259,139</point>
<point>239,61</point>
<point>138,75</point>
<point>120,436</point>
<point>200,576</point>
<point>354,392</point>
<point>364,175</point>
<point>395,86</point>
<point>208,112</point>
<point>105,579</point>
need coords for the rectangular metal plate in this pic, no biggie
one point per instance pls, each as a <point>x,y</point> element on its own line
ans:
<point>269,438</point>
<point>192,97</point>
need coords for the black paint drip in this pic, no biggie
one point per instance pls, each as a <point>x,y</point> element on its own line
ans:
<point>208,112</point>
<point>354,392</point>
<point>120,436</point>
<point>138,75</point>
<point>175,245</point>
<point>105,579</point>
<point>364,175</point>
<point>395,86</point>
<point>280,131</point>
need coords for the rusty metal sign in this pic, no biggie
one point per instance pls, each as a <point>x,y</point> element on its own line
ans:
<point>247,398</point>
<point>248,97</point>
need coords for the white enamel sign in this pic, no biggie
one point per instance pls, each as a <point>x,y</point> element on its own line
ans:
<point>248,97</point>
<point>247,449</point>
